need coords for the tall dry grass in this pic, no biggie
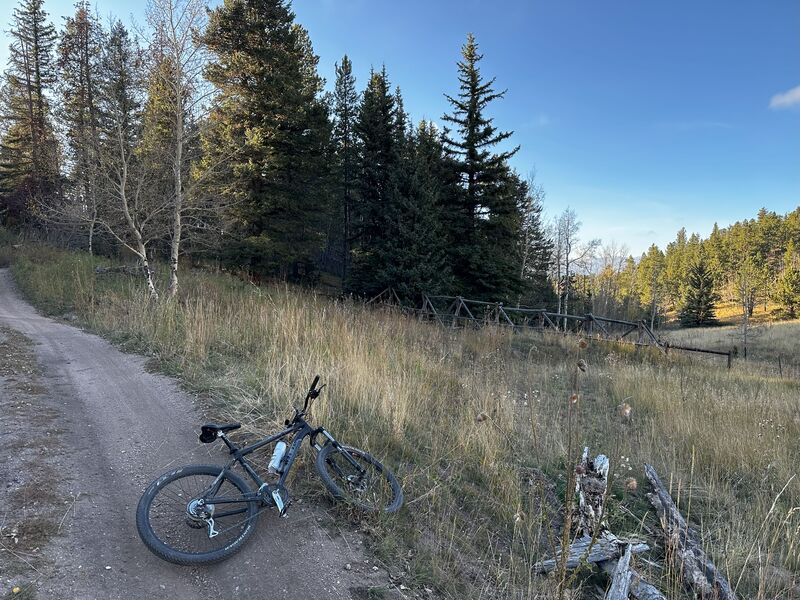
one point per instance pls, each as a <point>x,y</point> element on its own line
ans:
<point>477,424</point>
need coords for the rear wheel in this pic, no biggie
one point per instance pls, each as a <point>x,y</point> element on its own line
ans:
<point>370,486</point>
<point>173,515</point>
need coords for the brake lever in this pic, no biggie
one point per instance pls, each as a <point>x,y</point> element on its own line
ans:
<point>314,394</point>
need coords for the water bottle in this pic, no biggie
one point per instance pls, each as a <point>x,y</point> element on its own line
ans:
<point>277,458</point>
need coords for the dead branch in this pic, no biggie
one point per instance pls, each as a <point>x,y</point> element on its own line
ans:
<point>696,568</point>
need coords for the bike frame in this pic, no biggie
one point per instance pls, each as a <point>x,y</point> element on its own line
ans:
<point>300,428</point>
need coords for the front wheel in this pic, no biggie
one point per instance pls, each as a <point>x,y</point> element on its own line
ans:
<point>179,522</point>
<point>359,479</point>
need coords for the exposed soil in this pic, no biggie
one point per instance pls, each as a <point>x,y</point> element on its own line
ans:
<point>84,429</point>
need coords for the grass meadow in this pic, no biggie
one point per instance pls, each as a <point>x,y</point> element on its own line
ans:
<point>478,425</point>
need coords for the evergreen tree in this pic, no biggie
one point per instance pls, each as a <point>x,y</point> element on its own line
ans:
<point>345,144</point>
<point>375,213</point>
<point>536,248</point>
<point>269,129</point>
<point>787,288</point>
<point>156,143</point>
<point>483,214</point>
<point>120,89</point>
<point>651,282</point>
<point>29,154</point>
<point>417,251</point>
<point>79,52</point>
<point>700,298</point>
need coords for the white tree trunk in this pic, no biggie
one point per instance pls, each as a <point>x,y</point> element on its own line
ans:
<point>174,251</point>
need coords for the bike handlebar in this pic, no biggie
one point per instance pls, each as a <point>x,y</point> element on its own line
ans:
<point>313,392</point>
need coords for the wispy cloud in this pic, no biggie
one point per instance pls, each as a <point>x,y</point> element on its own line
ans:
<point>693,125</point>
<point>786,99</point>
<point>540,120</point>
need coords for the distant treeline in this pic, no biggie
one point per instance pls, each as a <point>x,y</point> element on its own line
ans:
<point>751,262</point>
<point>209,133</point>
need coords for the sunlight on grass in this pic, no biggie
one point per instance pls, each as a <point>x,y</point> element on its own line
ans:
<point>474,422</point>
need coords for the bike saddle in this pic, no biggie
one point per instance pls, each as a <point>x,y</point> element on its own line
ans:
<point>208,432</point>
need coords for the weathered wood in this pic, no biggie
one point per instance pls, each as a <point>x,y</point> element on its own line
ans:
<point>656,342</point>
<point>502,310</point>
<point>591,484</point>
<point>621,578</point>
<point>639,589</point>
<point>604,548</point>
<point>599,323</point>
<point>696,568</point>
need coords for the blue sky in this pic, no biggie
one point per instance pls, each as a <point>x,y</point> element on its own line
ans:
<point>642,116</point>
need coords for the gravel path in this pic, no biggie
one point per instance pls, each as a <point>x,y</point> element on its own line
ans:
<point>117,428</point>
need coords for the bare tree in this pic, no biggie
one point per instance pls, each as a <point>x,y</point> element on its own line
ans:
<point>610,265</point>
<point>127,212</point>
<point>570,255</point>
<point>178,62</point>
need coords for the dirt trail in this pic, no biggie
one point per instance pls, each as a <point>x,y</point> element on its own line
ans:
<point>118,426</point>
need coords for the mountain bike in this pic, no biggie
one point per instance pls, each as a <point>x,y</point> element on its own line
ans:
<point>203,514</point>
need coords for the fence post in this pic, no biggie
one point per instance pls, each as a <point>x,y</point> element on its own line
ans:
<point>730,356</point>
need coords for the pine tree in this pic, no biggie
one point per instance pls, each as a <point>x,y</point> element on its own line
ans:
<point>79,52</point>
<point>269,128</point>
<point>536,248</point>
<point>417,247</point>
<point>698,303</point>
<point>375,213</point>
<point>483,213</point>
<point>345,144</point>
<point>651,281</point>
<point>787,288</point>
<point>29,154</point>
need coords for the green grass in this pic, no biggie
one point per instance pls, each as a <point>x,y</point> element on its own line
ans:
<point>475,423</point>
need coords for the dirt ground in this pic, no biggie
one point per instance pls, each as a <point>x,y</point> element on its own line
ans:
<point>83,429</point>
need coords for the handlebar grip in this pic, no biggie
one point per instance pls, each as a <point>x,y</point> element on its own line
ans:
<point>314,384</point>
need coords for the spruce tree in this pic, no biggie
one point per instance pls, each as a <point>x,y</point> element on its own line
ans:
<point>120,90</point>
<point>79,52</point>
<point>483,218</point>
<point>269,130</point>
<point>345,148</point>
<point>375,214</point>
<point>787,288</point>
<point>29,154</point>
<point>417,247</point>
<point>536,248</point>
<point>700,296</point>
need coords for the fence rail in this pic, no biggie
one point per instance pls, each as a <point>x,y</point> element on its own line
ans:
<point>456,311</point>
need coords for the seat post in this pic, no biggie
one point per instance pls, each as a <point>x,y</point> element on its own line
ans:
<point>227,442</point>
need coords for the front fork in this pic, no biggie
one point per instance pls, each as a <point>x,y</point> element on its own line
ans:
<point>339,447</point>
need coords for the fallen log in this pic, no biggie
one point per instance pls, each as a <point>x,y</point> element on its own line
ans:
<point>596,544</point>
<point>605,548</point>
<point>639,588</point>
<point>621,578</point>
<point>695,567</point>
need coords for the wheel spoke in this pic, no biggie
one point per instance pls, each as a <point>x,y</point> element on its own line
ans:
<point>172,524</point>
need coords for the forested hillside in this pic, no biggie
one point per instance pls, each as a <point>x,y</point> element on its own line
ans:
<point>752,262</point>
<point>211,137</point>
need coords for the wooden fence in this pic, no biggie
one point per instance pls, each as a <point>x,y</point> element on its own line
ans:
<point>456,311</point>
